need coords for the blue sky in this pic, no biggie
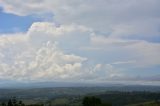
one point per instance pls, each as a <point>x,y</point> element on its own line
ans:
<point>12,23</point>
<point>92,41</point>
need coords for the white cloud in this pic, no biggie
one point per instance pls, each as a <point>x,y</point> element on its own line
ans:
<point>124,62</point>
<point>99,32</point>
<point>24,57</point>
<point>116,18</point>
<point>36,56</point>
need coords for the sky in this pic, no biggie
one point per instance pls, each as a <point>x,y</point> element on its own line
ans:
<point>109,41</point>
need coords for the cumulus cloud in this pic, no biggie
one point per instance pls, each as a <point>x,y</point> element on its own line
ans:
<point>24,57</point>
<point>85,40</point>
<point>36,56</point>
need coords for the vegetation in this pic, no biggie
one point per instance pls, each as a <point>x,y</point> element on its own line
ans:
<point>48,97</point>
<point>93,101</point>
<point>125,98</point>
<point>13,102</point>
<point>86,101</point>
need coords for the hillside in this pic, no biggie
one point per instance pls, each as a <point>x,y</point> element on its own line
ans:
<point>151,103</point>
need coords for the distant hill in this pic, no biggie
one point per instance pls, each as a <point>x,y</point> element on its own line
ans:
<point>108,86</point>
<point>45,92</point>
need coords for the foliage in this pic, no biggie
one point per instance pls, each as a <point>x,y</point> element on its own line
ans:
<point>125,98</point>
<point>14,102</point>
<point>93,101</point>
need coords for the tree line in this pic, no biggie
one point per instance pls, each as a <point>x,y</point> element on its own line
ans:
<point>14,102</point>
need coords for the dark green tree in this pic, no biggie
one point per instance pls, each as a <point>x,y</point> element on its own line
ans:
<point>91,101</point>
<point>21,103</point>
<point>3,104</point>
<point>10,103</point>
<point>14,101</point>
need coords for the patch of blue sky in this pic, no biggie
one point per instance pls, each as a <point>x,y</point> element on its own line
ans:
<point>10,23</point>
